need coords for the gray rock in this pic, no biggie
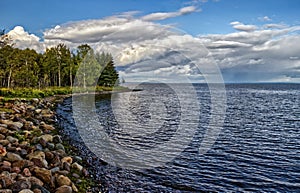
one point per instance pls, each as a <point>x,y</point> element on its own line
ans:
<point>12,139</point>
<point>64,189</point>
<point>57,139</point>
<point>26,191</point>
<point>51,146</point>
<point>60,146</point>
<point>13,157</point>
<point>54,170</point>
<point>38,111</point>
<point>47,137</point>
<point>44,174</point>
<point>4,142</point>
<point>77,159</point>
<point>77,166</point>
<point>43,190</point>
<point>18,124</point>
<point>20,185</point>
<point>6,191</point>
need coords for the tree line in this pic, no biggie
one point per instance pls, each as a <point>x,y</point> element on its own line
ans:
<point>56,67</point>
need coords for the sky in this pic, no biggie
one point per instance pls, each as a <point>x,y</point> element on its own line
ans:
<point>169,40</point>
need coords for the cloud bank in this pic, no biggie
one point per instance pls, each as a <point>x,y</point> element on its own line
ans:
<point>144,49</point>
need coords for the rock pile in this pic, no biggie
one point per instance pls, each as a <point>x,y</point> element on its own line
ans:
<point>32,155</point>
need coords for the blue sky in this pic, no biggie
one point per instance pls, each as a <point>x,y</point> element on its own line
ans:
<point>247,41</point>
<point>36,16</point>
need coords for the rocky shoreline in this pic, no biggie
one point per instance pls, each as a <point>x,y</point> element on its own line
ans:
<point>33,155</point>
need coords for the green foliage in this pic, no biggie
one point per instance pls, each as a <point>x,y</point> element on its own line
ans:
<point>30,73</point>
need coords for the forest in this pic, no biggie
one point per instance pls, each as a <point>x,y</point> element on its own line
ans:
<point>56,67</point>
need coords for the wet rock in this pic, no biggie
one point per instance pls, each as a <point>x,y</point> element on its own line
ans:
<point>63,180</point>
<point>20,185</point>
<point>64,189</point>
<point>13,157</point>
<point>44,174</point>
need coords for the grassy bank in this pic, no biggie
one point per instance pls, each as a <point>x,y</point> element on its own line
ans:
<point>51,91</point>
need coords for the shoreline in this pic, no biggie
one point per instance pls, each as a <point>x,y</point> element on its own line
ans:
<point>34,156</point>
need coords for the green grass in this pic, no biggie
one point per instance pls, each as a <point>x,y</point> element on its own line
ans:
<point>51,91</point>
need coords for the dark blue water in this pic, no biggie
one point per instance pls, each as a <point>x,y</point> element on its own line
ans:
<point>258,148</point>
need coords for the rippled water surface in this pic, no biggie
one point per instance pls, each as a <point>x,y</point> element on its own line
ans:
<point>258,148</point>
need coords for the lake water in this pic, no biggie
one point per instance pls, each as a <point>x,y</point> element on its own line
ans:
<point>257,149</point>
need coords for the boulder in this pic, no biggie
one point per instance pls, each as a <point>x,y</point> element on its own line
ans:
<point>64,189</point>
<point>20,185</point>
<point>12,157</point>
<point>26,191</point>
<point>44,174</point>
<point>63,180</point>
<point>77,166</point>
<point>47,137</point>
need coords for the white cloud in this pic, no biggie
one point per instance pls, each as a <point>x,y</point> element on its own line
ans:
<point>268,54</point>
<point>145,50</point>
<point>166,15</point>
<point>242,27</point>
<point>23,39</point>
<point>265,18</point>
<point>275,25</point>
